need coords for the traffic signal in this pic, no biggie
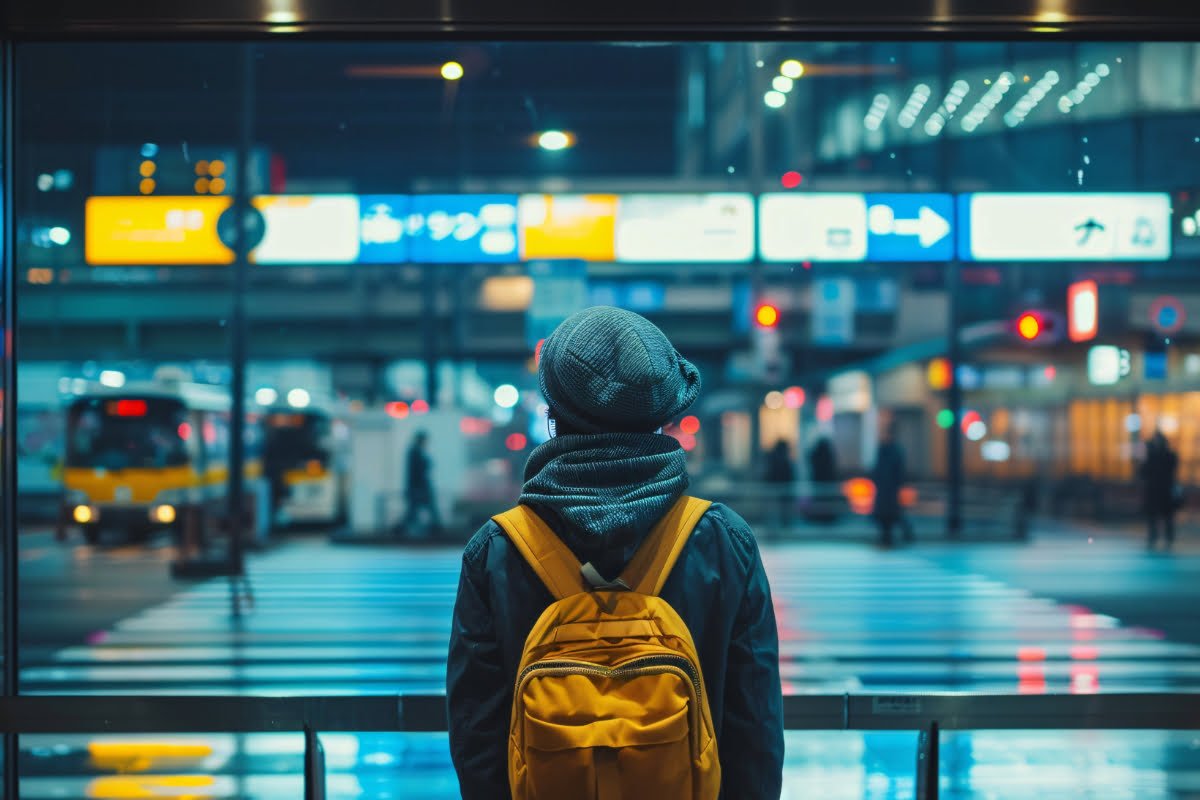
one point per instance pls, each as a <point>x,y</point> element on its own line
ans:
<point>1029,326</point>
<point>766,315</point>
<point>1038,327</point>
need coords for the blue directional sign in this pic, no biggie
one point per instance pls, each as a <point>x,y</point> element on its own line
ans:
<point>463,228</point>
<point>382,222</point>
<point>910,227</point>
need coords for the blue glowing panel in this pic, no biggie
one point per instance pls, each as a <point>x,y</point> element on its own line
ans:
<point>382,228</point>
<point>463,228</point>
<point>910,227</point>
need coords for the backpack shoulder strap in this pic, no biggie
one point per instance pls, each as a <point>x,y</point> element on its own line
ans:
<point>552,560</point>
<point>652,562</point>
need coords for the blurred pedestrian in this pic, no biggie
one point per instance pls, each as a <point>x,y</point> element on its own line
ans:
<point>822,469</point>
<point>889,476</point>
<point>418,489</point>
<point>1160,492</point>
<point>602,518</point>
<point>781,479</point>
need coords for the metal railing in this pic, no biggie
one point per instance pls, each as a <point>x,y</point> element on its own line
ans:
<point>925,714</point>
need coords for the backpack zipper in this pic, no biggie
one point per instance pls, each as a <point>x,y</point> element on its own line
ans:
<point>636,666</point>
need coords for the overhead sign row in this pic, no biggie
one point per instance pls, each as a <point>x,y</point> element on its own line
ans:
<point>636,228</point>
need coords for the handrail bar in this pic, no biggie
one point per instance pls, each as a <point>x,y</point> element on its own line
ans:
<point>66,714</point>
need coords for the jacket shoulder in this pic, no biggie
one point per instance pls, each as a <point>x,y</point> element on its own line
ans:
<point>735,532</point>
<point>476,551</point>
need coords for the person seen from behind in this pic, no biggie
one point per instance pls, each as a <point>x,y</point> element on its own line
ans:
<point>1160,492</point>
<point>612,636</point>
<point>889,475</point>
<point>781,478</point>
<point>418,489</point>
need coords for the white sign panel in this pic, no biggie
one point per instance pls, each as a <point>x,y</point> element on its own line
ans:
<point>1068,227</point>
<point>308,229</point>
<point>813,227</point>
<point>664,228</point>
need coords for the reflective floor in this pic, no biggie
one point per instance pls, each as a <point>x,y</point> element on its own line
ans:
<point>358,620</point>
<point>1013,765</point>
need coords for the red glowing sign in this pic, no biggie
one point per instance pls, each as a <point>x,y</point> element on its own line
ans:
<point>825,409</point>
<point>420,407</point>
<point>791,180</point>
<point>397,410</point>
<point>127,408</point>
<point>1083,311</point>
<point>690,425</point>
<point>793,397</point>
<point>516,441</point>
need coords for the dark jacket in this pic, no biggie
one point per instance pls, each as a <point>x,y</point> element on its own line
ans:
<point>1158,474</point>
<point>889,477</point>
<point>602,494</point>
<point>822,462</point>
<point>779,466</point>
<point>416,477</point>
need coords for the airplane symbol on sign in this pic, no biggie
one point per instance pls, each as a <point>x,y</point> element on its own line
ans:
<point>1088,228</point>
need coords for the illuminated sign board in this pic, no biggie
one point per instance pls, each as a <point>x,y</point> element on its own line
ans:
<point>463,228</point>
<point>155,230</point>
<point>1065,227</point>
<point>308,229</point>
<point>565,226</point>
<point>1083,311</point>
<point>812,227</point>
<point>910,227</point>
<point>382,228</point>
<point>669,228</point>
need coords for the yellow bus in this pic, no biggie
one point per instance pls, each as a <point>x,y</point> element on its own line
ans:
<point>139,459</point>
<point>303,460</point>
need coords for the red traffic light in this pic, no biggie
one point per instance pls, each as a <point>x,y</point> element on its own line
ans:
<point>766,315</point>
<point>1029,326</point>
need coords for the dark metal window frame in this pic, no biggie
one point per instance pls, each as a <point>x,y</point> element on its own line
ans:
<point>224,20</point>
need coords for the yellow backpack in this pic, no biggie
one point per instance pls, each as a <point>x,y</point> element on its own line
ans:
<point>609,702</point>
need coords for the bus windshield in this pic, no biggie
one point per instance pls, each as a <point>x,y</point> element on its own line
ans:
<point>127,433</point>
<point>293,439</point>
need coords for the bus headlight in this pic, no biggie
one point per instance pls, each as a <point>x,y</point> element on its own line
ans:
<point>84,514</point>
<point>163,514</point>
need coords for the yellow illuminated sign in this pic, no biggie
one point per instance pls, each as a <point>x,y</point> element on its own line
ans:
<point>579,226</point>
<point>155,230</point>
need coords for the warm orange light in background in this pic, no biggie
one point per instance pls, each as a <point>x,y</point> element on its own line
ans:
<point>146,169</point>
<point>40,275</point>
<point>216,185</point>
<point>516,441</point>
<point>146,186</point>
<point>397,410</point>
<point>394,71</point>
<point>201,185</point>
<point>216,168</point>
<point>1029,326</point>
<point>940,374</point>
<point>420,407</point>
<point>202,167</point>
<point>690,425</point>
<point>909,496</point>
<point>860,494</point>
<point>766,315</point>
<point>509,293</point>
<point>793,397</point>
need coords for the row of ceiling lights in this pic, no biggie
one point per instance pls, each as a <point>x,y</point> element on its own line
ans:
<point>921,93</point>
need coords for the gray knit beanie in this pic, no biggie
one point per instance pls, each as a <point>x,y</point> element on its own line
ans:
<point>609,370</point>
